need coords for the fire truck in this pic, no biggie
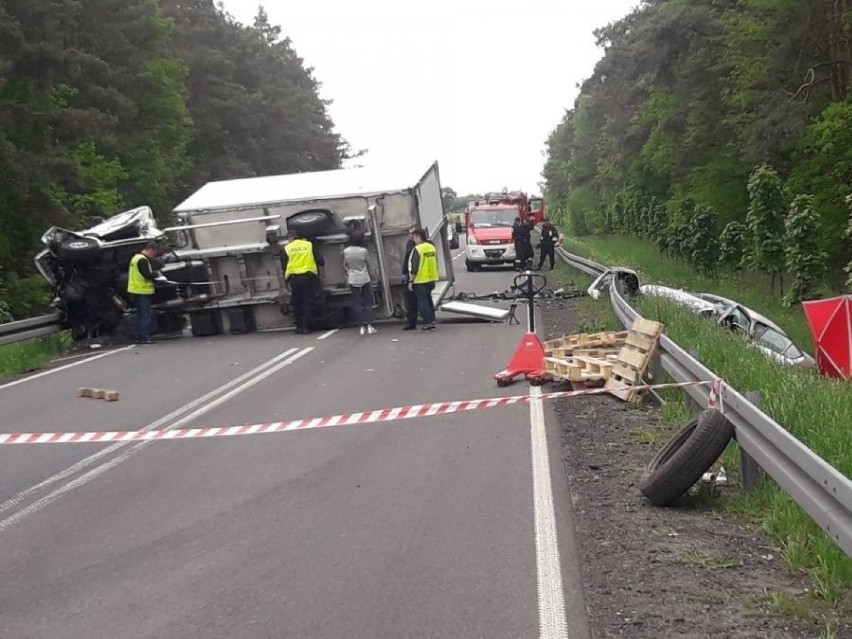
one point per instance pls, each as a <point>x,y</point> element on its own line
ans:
<point>489,223</point>
<point>528,207</point>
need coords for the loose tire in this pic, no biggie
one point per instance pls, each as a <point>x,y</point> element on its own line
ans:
<point>686,457</point>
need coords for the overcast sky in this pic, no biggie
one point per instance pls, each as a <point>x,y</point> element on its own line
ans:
<point>475,84</point>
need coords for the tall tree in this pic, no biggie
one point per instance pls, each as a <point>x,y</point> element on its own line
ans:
<point>805,257</point>
<point>766,212</point>
<point>690,96</point>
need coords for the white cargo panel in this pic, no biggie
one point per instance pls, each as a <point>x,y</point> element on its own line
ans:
<point>306,187</point>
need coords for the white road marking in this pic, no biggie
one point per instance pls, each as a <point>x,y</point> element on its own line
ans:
<point>455,257</point>
<point>328,333</point>
<point>551,598</point>
<point>91,459</point>
<point>276,365</point>
<point>62,368</point>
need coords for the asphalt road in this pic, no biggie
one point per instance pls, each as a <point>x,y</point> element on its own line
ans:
<point>447,526</point>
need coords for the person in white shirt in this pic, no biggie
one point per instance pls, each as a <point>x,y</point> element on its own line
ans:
<point>356,266</point>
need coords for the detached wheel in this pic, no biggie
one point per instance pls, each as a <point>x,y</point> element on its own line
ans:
<point>80,249</point>
<point>686,457</point>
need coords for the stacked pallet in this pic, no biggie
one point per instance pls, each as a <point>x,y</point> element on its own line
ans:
<point>616,360</point>
<point>584,359</point>
<point>634,358</point>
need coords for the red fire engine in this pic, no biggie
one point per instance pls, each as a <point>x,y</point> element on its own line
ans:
<point>528,207</point>
<point>489,226</point>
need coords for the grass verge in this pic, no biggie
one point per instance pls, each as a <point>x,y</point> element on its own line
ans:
<point>29,355</point>
<point>816,410</point>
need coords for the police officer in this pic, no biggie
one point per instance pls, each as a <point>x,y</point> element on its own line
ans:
<point>140,287</point>
<point>410,295</point>
<point>301,262</point>
<point>549,239</point>
<point>422,275</point>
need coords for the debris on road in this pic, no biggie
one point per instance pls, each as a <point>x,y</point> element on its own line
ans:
<point>98,393</point>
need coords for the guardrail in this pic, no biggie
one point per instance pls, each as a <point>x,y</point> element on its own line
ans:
<point>29,328</point>
<point>816,486</point>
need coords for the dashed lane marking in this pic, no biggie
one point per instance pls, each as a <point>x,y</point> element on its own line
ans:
<point>205,404</point>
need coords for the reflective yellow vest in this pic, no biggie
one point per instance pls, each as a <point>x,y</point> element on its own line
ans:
<point>300,258</point>
<point>428,270</point>
<point>136,284</point>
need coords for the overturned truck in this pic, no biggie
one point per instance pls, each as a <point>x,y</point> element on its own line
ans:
<point>222,266</point>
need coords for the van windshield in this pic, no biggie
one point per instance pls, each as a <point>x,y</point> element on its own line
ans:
<point>505,217</point>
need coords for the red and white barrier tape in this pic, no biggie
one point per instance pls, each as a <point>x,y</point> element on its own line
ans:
<point>371,417</point>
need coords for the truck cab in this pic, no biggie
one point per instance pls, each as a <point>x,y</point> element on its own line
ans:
<point>489,235</point>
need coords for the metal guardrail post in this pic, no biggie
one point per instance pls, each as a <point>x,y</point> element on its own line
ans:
<point>752,474</point>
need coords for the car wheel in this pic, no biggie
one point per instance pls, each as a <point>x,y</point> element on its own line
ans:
<point>470,268</point>
<point>311,223</point>
<point>685,458</point>
<point>79,249</point>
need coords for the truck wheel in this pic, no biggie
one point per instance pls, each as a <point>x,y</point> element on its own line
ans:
<point>685,458</point>
<point>311,223</point>
<point>80,249</point>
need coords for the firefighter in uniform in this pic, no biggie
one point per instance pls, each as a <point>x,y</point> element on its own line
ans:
<point>549,240</point>
<point>140,287</point>
<point>301,262</point>
<point>422,275</point>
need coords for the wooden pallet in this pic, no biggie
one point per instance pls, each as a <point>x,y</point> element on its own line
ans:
<point>634,358</point>
<point>605,339</point>
<point>578,369</point>
<point>610,354</point>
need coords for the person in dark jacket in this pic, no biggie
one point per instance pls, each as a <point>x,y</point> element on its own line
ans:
<point>523,244</point>
<point>549,238</point>
<point>530,252</point>
<point>410,295</point>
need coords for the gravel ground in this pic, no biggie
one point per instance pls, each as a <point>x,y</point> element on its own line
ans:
<point>682,572</point>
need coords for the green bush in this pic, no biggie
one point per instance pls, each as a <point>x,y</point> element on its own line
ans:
<point>22,297</point>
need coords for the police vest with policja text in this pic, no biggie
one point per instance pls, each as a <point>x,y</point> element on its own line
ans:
<point>300,258</point>
<point>428,270</point>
